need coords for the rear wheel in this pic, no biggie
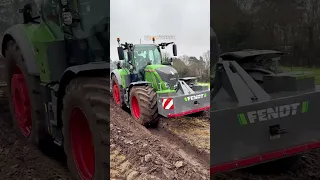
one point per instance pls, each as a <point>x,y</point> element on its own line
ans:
<point>86,127</point>
<point>24,96</point>
<point>143,105</point>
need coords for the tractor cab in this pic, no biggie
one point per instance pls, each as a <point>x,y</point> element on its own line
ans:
<point>139,57</point>
<point>144,55</point>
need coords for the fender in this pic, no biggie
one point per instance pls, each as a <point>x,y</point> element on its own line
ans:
<point>97,68</point>
<point>138,83</point>
<point>17,32</point>
<point>103,66</point>
<point>118,77</point>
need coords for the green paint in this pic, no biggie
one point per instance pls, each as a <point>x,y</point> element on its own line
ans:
<point>166,91</point>
<point>40,35</point>
<point>152,76</point>
<point>305,106</point>
<point>242,119</point>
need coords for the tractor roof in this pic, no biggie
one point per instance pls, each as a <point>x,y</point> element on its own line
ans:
<point>145,45</point>
<point>237,55</point>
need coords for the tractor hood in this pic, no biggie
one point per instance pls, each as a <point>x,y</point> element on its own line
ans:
<point>167,74</point>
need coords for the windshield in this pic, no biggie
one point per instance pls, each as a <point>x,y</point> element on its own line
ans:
<point>144,54</point>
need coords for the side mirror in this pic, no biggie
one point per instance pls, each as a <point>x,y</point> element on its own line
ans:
<point>120,53</point>
<point>174,49</point>
<point>129,56</point>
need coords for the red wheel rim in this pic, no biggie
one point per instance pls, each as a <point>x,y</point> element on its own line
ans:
<point>135,107</point>
<point>21,102</point>
<point>81,143</point>
<point>116,93</point>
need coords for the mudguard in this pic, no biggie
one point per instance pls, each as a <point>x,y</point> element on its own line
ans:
<point>103,66</point>
<point>97,68</point>
<point>117,74</point>
<point>17,32</point>
<point>139,83</point>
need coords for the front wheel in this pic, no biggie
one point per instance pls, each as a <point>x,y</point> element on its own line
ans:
<point>143,105</point>
<point>24,97</point>
<point>86,127</point>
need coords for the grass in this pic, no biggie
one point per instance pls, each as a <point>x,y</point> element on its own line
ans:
<point>316,71</point>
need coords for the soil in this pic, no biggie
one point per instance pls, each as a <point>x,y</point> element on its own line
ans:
<point>141,153</point>
<point>18,160</point>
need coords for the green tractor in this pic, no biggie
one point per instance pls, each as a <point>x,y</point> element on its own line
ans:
<point>56,71</point>
<point>150,87</point>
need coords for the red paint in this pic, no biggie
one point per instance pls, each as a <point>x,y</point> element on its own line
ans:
<point>188,112</point>
<point>135,107</point>
<point>21,102</point>
<point>116,93</point>
<point>263,158</point>
<point>82,144</point>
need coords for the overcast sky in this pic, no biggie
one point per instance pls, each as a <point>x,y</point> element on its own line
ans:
<point>186,22</point>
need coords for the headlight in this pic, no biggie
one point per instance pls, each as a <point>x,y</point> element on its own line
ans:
<point>64,2</point>
<point>67,18</point>
<point>175,86</point>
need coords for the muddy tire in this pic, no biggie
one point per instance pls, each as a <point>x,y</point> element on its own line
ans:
<point>143,105</point>
<point>116,93</point>
<point>23,91</point>
<point>278,166</point>
<point>85,118</point>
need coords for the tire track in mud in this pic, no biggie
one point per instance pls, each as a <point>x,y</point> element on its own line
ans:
<point>171,157</point>
<point>189,152</point>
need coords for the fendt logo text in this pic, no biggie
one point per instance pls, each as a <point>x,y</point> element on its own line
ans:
<point>273,113</point>
<point>195,97</point>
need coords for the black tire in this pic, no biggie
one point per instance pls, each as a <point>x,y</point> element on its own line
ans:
<point>114,81</point>
<point>278,166</point>
<point>13,57</point>
<point>147,101</point>
<point>91,95</point>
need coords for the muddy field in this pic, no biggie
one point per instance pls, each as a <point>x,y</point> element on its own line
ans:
<point>20,161</point>
<point>140,153</point>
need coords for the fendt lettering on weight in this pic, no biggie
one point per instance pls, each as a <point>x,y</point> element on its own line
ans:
<point>195,97</point>
<point>273,113</point>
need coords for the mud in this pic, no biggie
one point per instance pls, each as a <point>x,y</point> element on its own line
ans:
<point>141,153</point>
<point>18,160</point>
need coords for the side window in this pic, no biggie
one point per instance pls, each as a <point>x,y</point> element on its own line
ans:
<point>151,56</point>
